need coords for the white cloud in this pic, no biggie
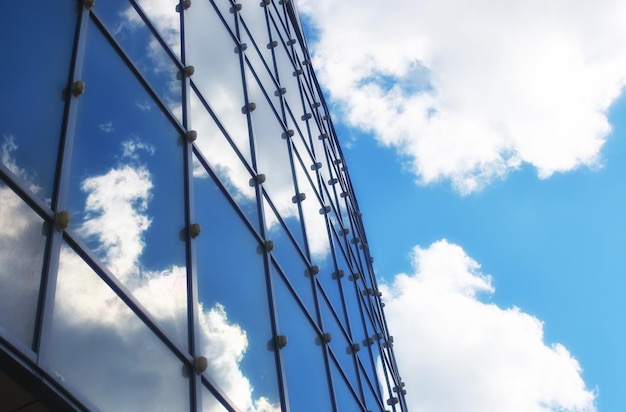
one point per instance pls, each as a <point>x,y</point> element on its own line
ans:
<point>470,91</point>
<point>458,353</point>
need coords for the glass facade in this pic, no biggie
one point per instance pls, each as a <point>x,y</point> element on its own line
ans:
<point>178,230</point>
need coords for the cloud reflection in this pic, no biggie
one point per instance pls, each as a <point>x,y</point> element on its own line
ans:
<point>99,345</point>
<point>21,254</point>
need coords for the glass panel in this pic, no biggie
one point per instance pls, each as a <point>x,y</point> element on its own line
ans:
<point>213,53</point>
<point>275,21</point>
<point>99,347</point>
<point>288,75</point>
<point>254,20</point>
<point>303,362</point>
<point>209,403</point>
<point>328,279</point>
<point>272,157</point>
<point>340,346</point>
<point>371,399</point>
<point>221,156</point>
<point>365,355</point>
<point>341,251</point>
<point>344,397</point>
<point>361,246</point>
<point>334,189</point>
<point>291,262</point>
<point>22,243</point>
<point>388,386</point>
<point>311,165</point>
<point>330,283</point>
<point>263,67</point>
<point>354,312</point>
<point>165,17</point>
<point>225,9</point>
<point>345,216</point>
<point>126,188</point>
<point>122,20</point>
<point>32,80</point>
<point>296,118</point>
<point>235,325</point>
<point>144,49</point>
<point>314,218</point>
<point>319,139</point>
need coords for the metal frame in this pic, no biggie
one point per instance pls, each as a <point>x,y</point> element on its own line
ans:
<point>283,18</point>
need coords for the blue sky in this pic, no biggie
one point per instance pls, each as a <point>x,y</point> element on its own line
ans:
<point>503,152</point>
<point>554,247</point>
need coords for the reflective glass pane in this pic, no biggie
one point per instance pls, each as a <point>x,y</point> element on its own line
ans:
<point>165,17</point>
<point>354,312</point>
<point>272,157</point>
<point>234,315</point>
<point>345,215</point>
<point>209,403</point>
<point>306,157</point>
<point>387,385</point>
<point>291,262</point>
<point>126,188</point>
<point>32,81</point>
<point>213,53</point>
<point>225,10</point>
<point>296,117</point>
<point>341,347</point>
<point>100,348</point>
<point>314,217</point>
<point>372,401</point>
<point>22,242</point>
<point>328,279</point>
<point>143,48</point>
<point>368,352</point>
<point>261,62</point>
<point>346,402</point>
<point>334,192</point>
<point>319,139</point>
<point>289,73</point>
<point>253,25</point>
<point>222,158</point>
<point>330,284</point>
<point>303,361</point>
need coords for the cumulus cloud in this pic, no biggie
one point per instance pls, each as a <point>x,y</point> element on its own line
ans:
<point>470,91</point>
<point>460,353</point>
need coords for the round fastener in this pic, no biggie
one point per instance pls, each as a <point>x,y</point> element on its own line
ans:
<point>194,230</point>
<point>201,363</point>
<point>78,88</point>
<point>62,220</point>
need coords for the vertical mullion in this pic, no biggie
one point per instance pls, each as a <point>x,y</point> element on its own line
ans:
<point>192,273</point>
<point>267,263</point>
<point>59,198</point>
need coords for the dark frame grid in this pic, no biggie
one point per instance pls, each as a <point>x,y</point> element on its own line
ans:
<point>347,243</point>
